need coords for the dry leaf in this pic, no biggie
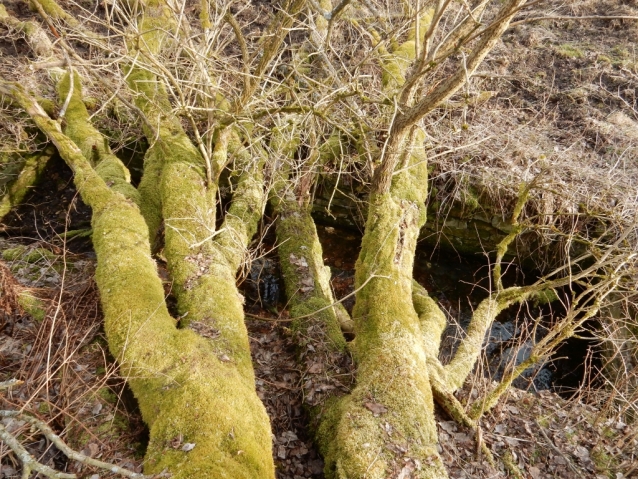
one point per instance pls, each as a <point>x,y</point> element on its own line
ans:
<point>96,408</point>
<point>535,472</point>
<point>281,452</point>
<point>448,426</point>
<point>316,368</point>
<point>375,408</point>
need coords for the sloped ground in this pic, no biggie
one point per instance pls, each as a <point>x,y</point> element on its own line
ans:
<point>556,98</point>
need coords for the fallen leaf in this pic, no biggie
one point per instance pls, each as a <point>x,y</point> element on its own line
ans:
<point>448,426</point>
<point>406,472</point>
<point>316,368</point>
<point>375,408</point>
<point>281,452</point>
<point>96,408</point>
<point>582,453</point>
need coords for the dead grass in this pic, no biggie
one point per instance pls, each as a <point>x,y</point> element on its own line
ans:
<point>68,378</point>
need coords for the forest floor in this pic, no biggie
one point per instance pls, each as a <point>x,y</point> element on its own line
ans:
<point>564,92</point>
<point>72,383</point>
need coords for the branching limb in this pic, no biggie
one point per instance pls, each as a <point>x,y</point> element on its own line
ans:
<point>94,146</point>
<point>455,409</point>
<point>55,11</point>
<point>34,35</point>
<point>541,350</point>
<point>454,82</point>
<point>271,44</point>
<point>171,372</point>
<point>30,463</point>
<point>501,249</point>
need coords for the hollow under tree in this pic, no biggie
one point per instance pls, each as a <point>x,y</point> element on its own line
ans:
<point>253,111</point>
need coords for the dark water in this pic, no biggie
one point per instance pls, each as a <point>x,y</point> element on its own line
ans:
<point>263,286</point>
<point>458,284</point>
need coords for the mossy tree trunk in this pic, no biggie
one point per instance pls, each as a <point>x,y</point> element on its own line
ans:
<point>191,389</point>
<point>274,127</point>
<point>19,172</point>
<point>386,425</point>
<point>318,320</point>
<point>193,378</point>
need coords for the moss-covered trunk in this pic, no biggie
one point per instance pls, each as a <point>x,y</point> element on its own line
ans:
<point>196,391</point>
<point>18,175</point>
<point>177,191</point>
<point>386,425</point>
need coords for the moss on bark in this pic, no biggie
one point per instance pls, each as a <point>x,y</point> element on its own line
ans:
<point>93,145</point>
<point>386,425</point>
<point>187,391</point>
<point>27,174</point>
<point>202,260</point>
<point>36,38</point>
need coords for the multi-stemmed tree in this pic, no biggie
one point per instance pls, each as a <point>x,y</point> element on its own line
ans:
<point>246,106</point>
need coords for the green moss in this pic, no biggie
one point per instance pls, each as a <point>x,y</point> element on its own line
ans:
<point>393,392</point>
<point>471,199</point>
<point>604,59</point>
<point>512,467</point>
<point>32,305</point>
<point>56,12</point>
<point>28,255</point>
<point>546,296</point>
<point>107,395</point>
<point>543,422</point>
<point>396,62</point>
<point>297,235</point>
<point>568,50</point>
<point>191,381</point>
<point>182,387</point>
<point>620,52</point>
<point>81,233</point>
<point>94,146</point>
<point>25,174</point>
<point>605,463</point>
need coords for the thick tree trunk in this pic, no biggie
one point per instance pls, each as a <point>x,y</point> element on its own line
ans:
<point>386,425</point>
<point>197,395</point>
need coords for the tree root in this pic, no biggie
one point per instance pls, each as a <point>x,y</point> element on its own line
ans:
<point>456,411</point>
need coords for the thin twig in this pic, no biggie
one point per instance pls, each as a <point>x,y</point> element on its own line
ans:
<point>28,460</point>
